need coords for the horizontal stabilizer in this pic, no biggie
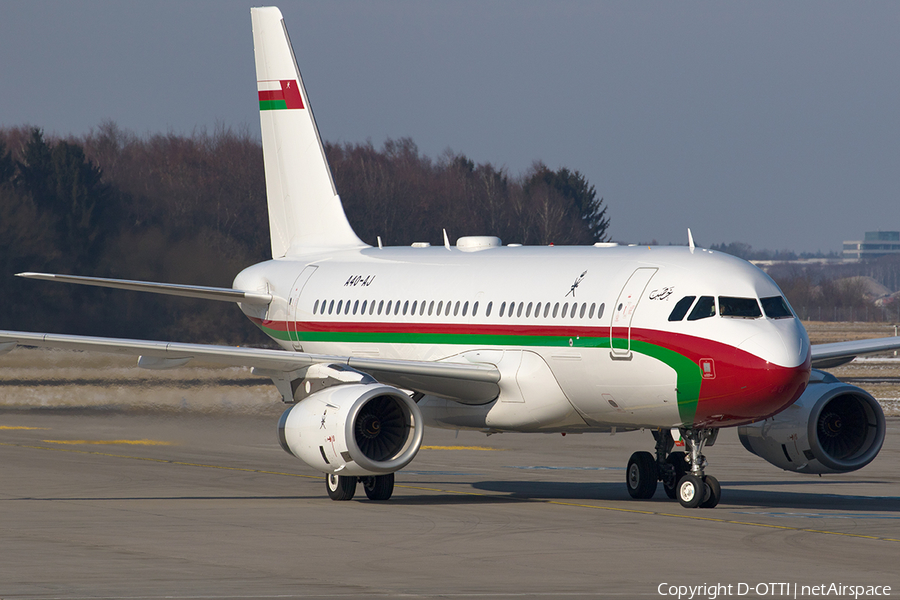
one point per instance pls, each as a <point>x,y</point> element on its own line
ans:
<point>171,289</point>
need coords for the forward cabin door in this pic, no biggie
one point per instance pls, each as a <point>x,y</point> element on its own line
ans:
<point>294,313</point>
<point>623,311</point>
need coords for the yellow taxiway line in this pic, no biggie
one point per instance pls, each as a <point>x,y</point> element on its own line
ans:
<point>480,494</point>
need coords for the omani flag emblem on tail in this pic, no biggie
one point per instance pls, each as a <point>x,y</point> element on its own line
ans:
<point>279,94</point>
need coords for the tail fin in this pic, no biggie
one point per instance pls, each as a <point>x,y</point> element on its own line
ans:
<point>305,211</point>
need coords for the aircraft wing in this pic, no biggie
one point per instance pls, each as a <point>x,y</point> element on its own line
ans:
<point>469,383</point>
<point>832,355</point>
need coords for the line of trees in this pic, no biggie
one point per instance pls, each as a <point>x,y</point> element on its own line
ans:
<point>191,209</point>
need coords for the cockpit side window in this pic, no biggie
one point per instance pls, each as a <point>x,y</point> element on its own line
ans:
<point>776,308</point>
<point>743,308</point>
<point>705,308</point>
<point>681,308</point>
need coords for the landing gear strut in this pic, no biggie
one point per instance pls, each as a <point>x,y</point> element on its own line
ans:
<point>696,488</point>
<point>681,473</point>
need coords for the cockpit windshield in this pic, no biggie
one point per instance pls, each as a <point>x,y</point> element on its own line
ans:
<point>776,307</point>
<point>742,308</point>
<point>681,308</point>
<point>705,308</point>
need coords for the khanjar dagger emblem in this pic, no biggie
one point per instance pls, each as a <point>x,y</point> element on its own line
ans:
<point>575,285</point>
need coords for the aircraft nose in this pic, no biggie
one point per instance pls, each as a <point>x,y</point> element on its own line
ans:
<point>783,343</point>
<point>766,373</point>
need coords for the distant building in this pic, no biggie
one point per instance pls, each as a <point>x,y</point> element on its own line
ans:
<point>876,244</point>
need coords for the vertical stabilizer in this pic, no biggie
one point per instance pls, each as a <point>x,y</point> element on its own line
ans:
<point>305,212</point>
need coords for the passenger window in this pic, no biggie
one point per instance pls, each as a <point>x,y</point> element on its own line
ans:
<point>405,307</point>
<point>591,312</point>
<point>487,312</point>
<point>521,306</point>
<point>331,307</point>
<point>705,308</point>
<point>565,310</point>
<point>440,308</point>
<point>355,306</point>
<point>380,306</point>
<point>600,310</point>
<point>347,308</point>
<point>528,310</point>
<point>741,308</point>
<point>502,308</point>
<point>415,304</point>
<point>422,308</point>
<point>363,309</point>
<point>546,310</point>
<point>681,308</point>
<point>466,308</point>
<point>397,308</point>
<point>447,310</point>
<point>456,308</point>
<point>340,305</point>
<point>581,314</point>
<point>475,309</point>
<point>776,308</point>
<point>316,307</point>
<point>372,308</point>
<point>555,309</point>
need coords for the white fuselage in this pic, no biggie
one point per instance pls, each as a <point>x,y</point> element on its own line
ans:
<point>545,317</point>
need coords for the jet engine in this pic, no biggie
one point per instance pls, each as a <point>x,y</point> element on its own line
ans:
<point>353,429</point>
<point>832,428</point>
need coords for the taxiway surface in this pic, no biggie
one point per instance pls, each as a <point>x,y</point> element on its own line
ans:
<point>130,504</point>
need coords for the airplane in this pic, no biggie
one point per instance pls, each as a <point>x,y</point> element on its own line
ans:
<point>378,342</point>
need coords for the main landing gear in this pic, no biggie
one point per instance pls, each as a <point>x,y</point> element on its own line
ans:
<point>681,473</point>
<point>343,487</point>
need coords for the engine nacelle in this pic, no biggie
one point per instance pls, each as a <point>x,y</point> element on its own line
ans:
<point>832,428</point>
<point>353,429</point>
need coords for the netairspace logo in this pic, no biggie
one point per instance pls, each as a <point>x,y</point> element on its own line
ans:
<point>789,590</point>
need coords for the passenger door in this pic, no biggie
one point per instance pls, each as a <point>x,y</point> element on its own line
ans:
<point>623,311</point>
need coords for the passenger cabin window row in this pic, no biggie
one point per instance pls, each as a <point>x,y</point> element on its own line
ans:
<point>775,307</point>
<point>540,310</point>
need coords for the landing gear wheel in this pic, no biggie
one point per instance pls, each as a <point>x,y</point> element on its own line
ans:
<point>379,487</point>
<point>340,487</point>
<point>691,491</point>
<point>676,459</point>
<point>641,475</point>
<point>715,492</point>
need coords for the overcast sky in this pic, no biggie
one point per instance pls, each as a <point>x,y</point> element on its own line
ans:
<point>772,123</point>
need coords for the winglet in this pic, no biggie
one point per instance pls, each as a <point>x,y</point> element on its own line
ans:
<point>690,241</point>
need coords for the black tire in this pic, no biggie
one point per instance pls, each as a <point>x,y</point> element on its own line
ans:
<point>677,460</point>
<point>715,492</point>
<point>340,487</point>
<point>379,487</point>
<point>641,476</point>
<point>691,491</point>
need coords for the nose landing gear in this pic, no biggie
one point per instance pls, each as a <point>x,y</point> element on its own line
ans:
<point>696,488</point>
<point>681,473</point>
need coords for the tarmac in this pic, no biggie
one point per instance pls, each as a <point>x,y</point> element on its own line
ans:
<point>146,504</point>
